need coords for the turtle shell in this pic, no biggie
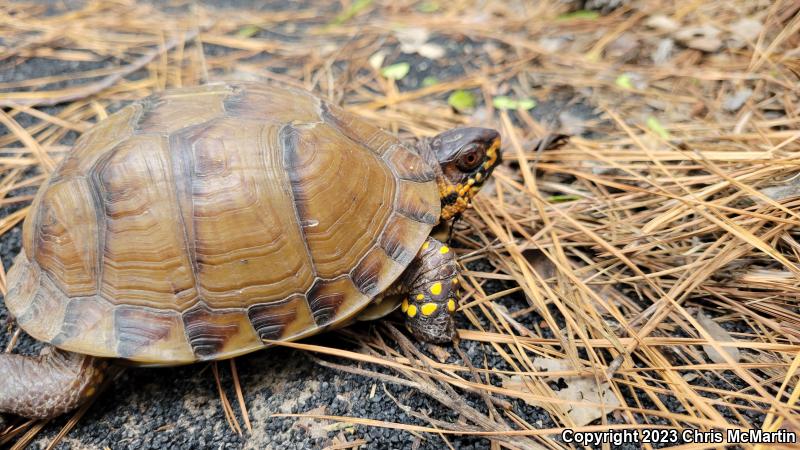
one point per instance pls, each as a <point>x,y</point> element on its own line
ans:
<point>198,223</point>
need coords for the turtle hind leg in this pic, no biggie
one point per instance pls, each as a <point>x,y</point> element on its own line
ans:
<point>47,385</point>
<point>431,280</point>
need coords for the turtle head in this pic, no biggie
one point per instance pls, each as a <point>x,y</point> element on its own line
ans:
<point>466,156</point>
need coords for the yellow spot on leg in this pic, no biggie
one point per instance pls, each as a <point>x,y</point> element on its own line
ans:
<point>426,245</point>
<point>90,391</point>
<point>444,249</point>
<point>420,296</point>
<point>451,305</point>
<point>436,289</point>
<point>428,309</point>
<point>454,281</point>
<point>412,311</point>
<point>404,306</point>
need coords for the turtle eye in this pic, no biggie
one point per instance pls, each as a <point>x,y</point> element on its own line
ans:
<point>470,159</point>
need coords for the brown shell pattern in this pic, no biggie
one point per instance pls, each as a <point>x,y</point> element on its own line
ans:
<point>196,224</point>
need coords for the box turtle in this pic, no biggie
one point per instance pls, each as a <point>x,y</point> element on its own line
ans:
<point>199,223</point>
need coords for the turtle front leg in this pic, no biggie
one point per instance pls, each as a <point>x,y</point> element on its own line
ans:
<point>432,285</point>
<point>47,385</point>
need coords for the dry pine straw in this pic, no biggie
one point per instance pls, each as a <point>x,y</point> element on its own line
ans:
<point>614,249</point>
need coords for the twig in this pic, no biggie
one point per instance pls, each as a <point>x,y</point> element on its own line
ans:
<point>10,100</point>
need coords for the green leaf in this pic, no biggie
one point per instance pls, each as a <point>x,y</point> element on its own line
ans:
<point>429,81</point>
<point>656,127</point>
<point>624,81</point>
<point>563,198</point>
<point>504,102</point>
<point>248,31</point>
<point>580,14</point>
<point>527,103</point>
<point>396,71</point>
<point>428,7</point>
<point>356,7</point>
<point>462,100</point>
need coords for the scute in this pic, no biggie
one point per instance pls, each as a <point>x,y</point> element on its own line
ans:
<point>180,109</point>
<point>149,336</point>
<point>133,185</point>
<point>239,186</point>
<point>88,319</point>
<point>96,142</point>
<point>199,222</point>
<point>343,192</point>
<point>66,238</point>
<point>219,333</point>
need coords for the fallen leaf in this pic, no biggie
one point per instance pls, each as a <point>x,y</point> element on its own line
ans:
<point>429,81</point>
<point>783,190</point>
<point>720,335</point>
<point>411,38</point>
<point>396,71</point>
<point>689,377</point>
<point>655,126</point>
<point>705,38</point>
<point>587,390</point>
<point>462,100</point>
<point>662,23</point>
<point>578,389</point>
<point>527,103</point>
<point>415,40</point>
<point>706,44</point>
<point>314,427</point>
<point>504,102</point>
<point>431,51</point>
<point>745,30</point>
<point>551,364</point>
<point>248,31</point>
<point>624,81</point>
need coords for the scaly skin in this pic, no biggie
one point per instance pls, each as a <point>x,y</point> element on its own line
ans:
<point>47,385</point>
<point>432,283</point>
